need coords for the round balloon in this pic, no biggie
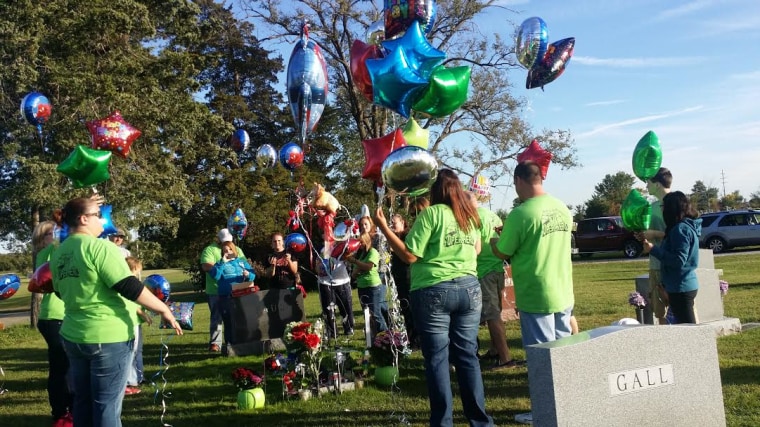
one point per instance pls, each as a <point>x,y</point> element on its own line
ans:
<point>266,156</point>
<point>240,140</point>
<point>410,170</point>
<point>36,109</point>
<point>9,284</point>
<point>237,224</point>
<point>376,33</point>
<point>291,156</point>
<point>159,286</point>
<point>647,157</point>
<point>296,242</point>
<point>531,41</point>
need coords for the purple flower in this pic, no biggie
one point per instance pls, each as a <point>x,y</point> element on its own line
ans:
<point>637,300</point>
<point>723,287</point>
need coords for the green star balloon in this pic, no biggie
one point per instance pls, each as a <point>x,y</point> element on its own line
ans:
<point>647,157</point>
<point>446,92</point>
<point>86,166</point>
<point>636,212</point>
<point>415,135</point>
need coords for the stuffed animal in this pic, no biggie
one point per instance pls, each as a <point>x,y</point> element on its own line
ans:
<point>322,199</point>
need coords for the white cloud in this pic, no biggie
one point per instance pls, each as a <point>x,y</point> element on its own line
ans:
<point>637,120</point>
<point>639,62</point>
<point>684,9</point>
<point>604,103</point>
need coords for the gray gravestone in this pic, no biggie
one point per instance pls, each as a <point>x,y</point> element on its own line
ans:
<point>628,376</point>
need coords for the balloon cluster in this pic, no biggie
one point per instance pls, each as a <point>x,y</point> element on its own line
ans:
<point>545,61</point>
<point>636,210</point>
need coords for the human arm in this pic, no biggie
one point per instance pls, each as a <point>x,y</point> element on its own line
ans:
<point>494,248</point>
<point>396,244</point>
<point>677,249</point>
<point>149,301</point>
<point>144,316</point>
<point>361,266</point>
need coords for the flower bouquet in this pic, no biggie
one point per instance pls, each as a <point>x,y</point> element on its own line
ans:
<point>639,302</point>
<point>387,347</point>
<point>723,287</point>
<point>246,379</point>
<point>304,340</point>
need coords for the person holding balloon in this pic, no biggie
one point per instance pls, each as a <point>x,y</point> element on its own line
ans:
<point>231,269</point>
<point>282,268</point>
<point>211,255</point>
<point>442,248</point>
<point>49,324</point>
<point>93,280</point>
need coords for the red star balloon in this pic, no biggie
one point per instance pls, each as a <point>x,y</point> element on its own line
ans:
<point>375,152</point>
<point>360,52</point>
<point>85,166</point>
<point>113,133</point>
<point>538,155</point>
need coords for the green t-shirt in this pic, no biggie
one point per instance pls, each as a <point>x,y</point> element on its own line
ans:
<point>487,261</point>
<point>211,255</point>
<point>536,236</point>
<point>371,278</point>
<point>443,251</point>
<point>656,222</point>
<point>84,271</point>
<point>51,307</point>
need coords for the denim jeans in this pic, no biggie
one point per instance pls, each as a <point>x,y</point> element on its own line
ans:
<point>374,297</point>
<point>136,375</point>
<point>100,376</point>
<point>447,316</point>
<point>215,322</point>
<point>539,328</point>
<point>59,380</point>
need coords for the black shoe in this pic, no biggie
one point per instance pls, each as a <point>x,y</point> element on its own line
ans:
<point>349,332</point>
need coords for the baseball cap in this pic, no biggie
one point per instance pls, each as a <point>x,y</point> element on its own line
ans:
<point>224,235</point>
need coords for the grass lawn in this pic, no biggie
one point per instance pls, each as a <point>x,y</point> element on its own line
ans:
<point>201,392</point>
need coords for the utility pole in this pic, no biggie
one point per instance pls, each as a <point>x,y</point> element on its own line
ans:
<point>723,181</point>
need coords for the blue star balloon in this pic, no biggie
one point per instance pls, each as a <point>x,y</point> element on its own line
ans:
<point>395,84</point>
<point>421,56</point>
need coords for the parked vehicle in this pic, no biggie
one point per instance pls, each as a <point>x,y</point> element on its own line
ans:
<point>605,234</point>
<point>730,229</point>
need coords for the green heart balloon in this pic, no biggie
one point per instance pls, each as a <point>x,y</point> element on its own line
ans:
<point>647,157</point>
<point>415,135</point>
<point>636,212</point>
<point>86,166</point>
<point>446,92</point>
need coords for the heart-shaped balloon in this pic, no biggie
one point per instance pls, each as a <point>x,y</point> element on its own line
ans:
<point>410,171</point>
<point>375,152</point>
<point>113,133</point>
<point>537,155</point>
<point>647,157</point>
<point>86,166</point>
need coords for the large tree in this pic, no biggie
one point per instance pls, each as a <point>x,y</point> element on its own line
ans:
<point>702,197</point>
<point>488,130</point>
<point>609,195</point>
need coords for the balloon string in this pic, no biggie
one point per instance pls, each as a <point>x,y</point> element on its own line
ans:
<point>163,367</point>
<point>3,390</point>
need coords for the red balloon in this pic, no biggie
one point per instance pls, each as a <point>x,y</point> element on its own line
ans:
<point>361,52</point>
<point>346,247</point>
<point>42,280</point>
<point>113,133</point>
<point>375,152</point>
<point>538,155</point>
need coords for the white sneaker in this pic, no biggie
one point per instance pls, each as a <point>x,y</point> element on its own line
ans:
<point>526,418</point>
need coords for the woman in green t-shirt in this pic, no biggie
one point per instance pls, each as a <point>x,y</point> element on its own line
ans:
<point>92,278</point>
<point>441,248</point>
<point>369,286</point>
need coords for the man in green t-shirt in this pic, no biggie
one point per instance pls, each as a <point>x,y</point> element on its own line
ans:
<point>211,255</point>
<point>536,240</point>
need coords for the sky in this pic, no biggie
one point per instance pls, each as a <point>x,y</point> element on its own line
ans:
<point>687,70</point>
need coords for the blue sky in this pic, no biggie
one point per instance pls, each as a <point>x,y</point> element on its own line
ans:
<point>687,70</point>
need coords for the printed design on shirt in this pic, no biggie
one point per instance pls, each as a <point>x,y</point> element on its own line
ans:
<point>66,268</point>
<point>454,236</point>
<point>553,221</point>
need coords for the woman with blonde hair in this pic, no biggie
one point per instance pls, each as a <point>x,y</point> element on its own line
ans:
<point>231,269</point>
<point>441,248</point>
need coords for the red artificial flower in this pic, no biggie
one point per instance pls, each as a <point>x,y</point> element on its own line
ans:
<point>312,340</point>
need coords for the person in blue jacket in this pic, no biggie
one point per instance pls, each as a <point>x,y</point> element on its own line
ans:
<point>227,271</point>
<point>679,255</point>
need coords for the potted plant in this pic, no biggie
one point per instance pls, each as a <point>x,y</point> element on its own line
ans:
<point>386,349</point>
<point>250,394</point>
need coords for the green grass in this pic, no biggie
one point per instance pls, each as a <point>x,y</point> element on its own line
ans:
<point>202,393</point>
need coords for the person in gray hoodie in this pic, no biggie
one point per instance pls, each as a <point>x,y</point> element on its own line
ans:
<point>679,255</point>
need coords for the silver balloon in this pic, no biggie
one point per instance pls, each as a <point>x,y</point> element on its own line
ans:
<point>266,156</point>
<point>306,84</point>
<point>531,41</point>
<point>376,32</point>
<point>409,170</point>
<point>341,232</point>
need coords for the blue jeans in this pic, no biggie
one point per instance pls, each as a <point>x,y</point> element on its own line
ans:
<point>100,376</point>
<point>215,321</point>
<point>374,297</point>
<point>136,374</point>
<point>539,328</point>
<point>447,316</point>
<point>59,380</point>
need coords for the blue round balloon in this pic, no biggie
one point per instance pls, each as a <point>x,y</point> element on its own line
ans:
<point>105,217</point>
<point>291,156</point>
<point>240,140</point>
<point>36,109</point>
<point>160,287</point>
<point>296,242</point>
<point>9,284</point>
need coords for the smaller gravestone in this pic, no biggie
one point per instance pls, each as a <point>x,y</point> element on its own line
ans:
<point>628,376</point>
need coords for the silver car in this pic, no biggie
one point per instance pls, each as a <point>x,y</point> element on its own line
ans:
<point>730,229</point>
